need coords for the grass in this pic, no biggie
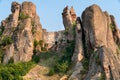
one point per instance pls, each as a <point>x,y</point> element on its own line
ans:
<point>15,71</point>
<point>61,65</point>
<point>48,59</point>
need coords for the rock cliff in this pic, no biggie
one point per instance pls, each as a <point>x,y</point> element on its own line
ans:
<point>99,38</point>
<point>22,27</point>
<point>99,28</point>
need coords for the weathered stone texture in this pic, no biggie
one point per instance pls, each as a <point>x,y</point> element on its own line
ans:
<point>69,18</point>
<point>99,33</point>
<point>20,26</point>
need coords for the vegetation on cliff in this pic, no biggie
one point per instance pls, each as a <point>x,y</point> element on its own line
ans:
<point>5,40</point>
<point>23,16</point>
<point>1,30</point>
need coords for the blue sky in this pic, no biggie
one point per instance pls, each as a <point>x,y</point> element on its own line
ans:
<point>50,11</point>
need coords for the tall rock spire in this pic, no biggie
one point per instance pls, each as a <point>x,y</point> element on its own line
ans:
<point>69,18</point>
<point>73,14</point>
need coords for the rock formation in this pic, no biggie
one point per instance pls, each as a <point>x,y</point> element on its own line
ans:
<point>96,24</point>
<point>69,18</point>
<point>78,54</point>
<point>55,40</point>
<point>96,36</point>
<point>28,8</point>
<point>101,46</point>
<point>97,40</point>
<point>23,27</point>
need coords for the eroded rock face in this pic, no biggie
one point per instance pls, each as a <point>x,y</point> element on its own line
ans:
<point>55,41</point>
<point>29,9</point>
<point>97,40</point>
<point>78,54</point>
<point>73,14</point>
<point>37,28</point>
<point>23,27</point>
<point>93,23</point>
<point>69,18</point>
<point>12,21</point>
<point>116,31</point>
<point>98,33</point>
<point>23,42</point>
<point>15,9</point>
<point>103,64</point>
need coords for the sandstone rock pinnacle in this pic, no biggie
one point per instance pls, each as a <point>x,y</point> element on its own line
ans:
<point>69,18</point>
<point>100,39</point>
<point>23,27</point>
